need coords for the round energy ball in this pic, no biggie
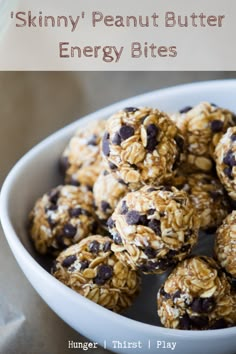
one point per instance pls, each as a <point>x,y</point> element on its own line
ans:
<point>61,218</point>
<point>225,244</point>
<point>225,157</point>
<point>92,269</point>
<point>107,191</point>
<point>81,160</point>
<point>195,296</point>
<point>202,127</point>
<point>154,228</point>
<point>208,197</point>
<point>142,146</point>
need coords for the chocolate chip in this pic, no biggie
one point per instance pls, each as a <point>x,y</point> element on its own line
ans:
<point>105,144</point>
<point>152,130</point>
<point>150,252</point>
<point>74,182</point>
<point>107,246</point>
<point>117,239</point>
<point>52,207</point>
<point>130,109</point>
<point>94,227</point>
<point>166,188</point>
<point>93,140</point>
<point>176,295</point>
<point>155,225</point>
<point>228,172</point>
<point>185,109</point>
<point>54,196</point>
<point>51,222</point>
<point>64,164</point>
<point>69,230</point>
<point>105,173</point>
<point>185,322</point>
<point>217,126</point>
<point>233,137</point>
<point>104,272</point>
<point>126,132</point>
<point>179,142</point>
<point>84,264</point>
<point>75,212</point>
<point>68,261</point>
<point>94,246</point>
<point>215,195</point>
<point>151,144</point>
<point>105,206</point>
<point>60,242</point>
<point>132,217</point>
<point>143,220</point>
<point>185,248</point>
<point>110,223</point>
<point>151,211</point>
<point>121,181</point>
<point>203,305</point>
<point>229,159</point>
<point>219,324</point>
<point>199,322</point>
<point>164,293</point>
<point>124,209</point>
<point>112,165</point>
<point>213,104</point>
<point>116,139</point>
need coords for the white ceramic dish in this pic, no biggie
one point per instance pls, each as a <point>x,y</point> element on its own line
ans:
<point>37,172</point>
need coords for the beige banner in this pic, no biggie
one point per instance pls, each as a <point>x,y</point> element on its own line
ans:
<point>117,35</point>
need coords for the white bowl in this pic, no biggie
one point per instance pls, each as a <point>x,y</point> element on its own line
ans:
<point>37,172</point>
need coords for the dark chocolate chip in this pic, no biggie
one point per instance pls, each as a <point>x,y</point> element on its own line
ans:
<point>94,246</point>
<point>75,212</point>
<point>152,131</point>
<point>229,159</point>
<point>124,209</point>
<point>199,322</point>
<point>69,230</point>
<point>185,248</point>
<point>94,227</point>
<point>151,144</point>
<point>93,140</point>
<point>107,246</point>
<point>172,253</point>
<point>121,181</point>
<point>54,196</point>
<point>130,109</point>
<point>185,109</point>
<point>64,164</point>
<point>179,142</point>
<point>176,295</point>
<point>132,217</point>
<point>166,188</point>
<point>105,173</point>
<point>105,206</point>
<point>213,104</point>
<point>52,207</point>
<point>117,239</point>
<point>228,172</point>
<point>143,220</point>
<point>233,137</point>
<point>155,225</point>
<point>116,139</point>
<point>164,293</point>
<point>74,182</point>
<point>105,144</point>
<point>215,195</point>
<point>110,223</point>
<point>219,324</point>
<point>203,305</point>
<point>217,126</point>
<point>68,261</point>
<point>152,189</point>
<point>185,322</point>
<point>51,222</point>
<point>151,211</point>
<point>84,264</point>
<point>126,132</point>
<point>104,272</point>
<point>112,165</point>
<point>150,252</point>
<point>60,242</point>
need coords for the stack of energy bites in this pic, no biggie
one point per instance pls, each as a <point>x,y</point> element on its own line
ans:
<point>138,189</point>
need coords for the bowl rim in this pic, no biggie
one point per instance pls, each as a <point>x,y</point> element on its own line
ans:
<point>20,251</point>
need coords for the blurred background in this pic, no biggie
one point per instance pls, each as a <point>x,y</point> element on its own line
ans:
<point>32,106</point>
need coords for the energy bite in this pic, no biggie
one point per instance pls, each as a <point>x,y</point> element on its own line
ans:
<point>202,127</point>
<point>195,296</point>
<point>225,244</point>
<point>93,270</point>
<point>108,190</point>
<point>142,146</point>
<point>81,161</point>
<point>208,197</point>
<point>225,157</point>
<point>154,228</point>
<point>61,218</point>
